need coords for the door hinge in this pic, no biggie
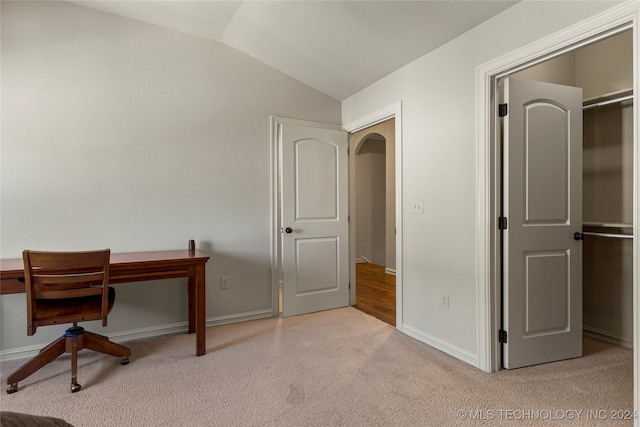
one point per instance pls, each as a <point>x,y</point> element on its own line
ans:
<point>502,223</point>
<point>502,336</point>
<point>502,110</point>
<point>349,285</point>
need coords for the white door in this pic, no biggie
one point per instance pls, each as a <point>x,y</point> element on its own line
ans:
<point>314,217</point>
<point>542,195</point>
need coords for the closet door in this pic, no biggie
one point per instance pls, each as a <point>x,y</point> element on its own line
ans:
<point>542,260</point>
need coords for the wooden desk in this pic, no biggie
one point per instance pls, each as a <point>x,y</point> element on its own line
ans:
<point>139,267</point>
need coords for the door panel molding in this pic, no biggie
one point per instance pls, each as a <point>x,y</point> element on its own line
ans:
<point>538,147</point>
<point>307,151</point>
<point>538,290</point>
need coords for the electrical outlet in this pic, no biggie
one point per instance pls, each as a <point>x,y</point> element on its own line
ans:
<point>224,282</point>
<point>418,207</point>
<point>444,300</point>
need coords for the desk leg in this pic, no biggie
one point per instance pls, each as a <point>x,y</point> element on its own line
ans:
<point>193,298</point>
<point>201,304</point>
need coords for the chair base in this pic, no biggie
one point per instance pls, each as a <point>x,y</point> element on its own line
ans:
<point>74,340</point>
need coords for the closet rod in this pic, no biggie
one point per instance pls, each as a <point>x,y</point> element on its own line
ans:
<point>617,236</point>
<point>608,101</point>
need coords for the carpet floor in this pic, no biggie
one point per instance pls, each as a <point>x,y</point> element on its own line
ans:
<point>335,368</point>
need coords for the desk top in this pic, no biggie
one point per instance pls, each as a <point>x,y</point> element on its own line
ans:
<point>139,267</point>
<point>119,263</point>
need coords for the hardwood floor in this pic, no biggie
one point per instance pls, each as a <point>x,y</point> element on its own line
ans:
<point>376,292</point>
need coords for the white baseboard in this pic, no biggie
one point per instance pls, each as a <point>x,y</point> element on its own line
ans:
<point>21,353</point>
<point>390,271</point>
<point>445,347</point>
<point>135,334</point>
<point>607,336</point>
<point>241,317</point>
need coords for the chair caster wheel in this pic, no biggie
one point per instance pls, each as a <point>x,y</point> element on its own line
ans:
<point>12,388</point>
<point>125,361</point>
<point>75,387</point>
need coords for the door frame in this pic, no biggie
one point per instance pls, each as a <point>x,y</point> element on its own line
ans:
<point>393,111</point>
<point>617,19</point>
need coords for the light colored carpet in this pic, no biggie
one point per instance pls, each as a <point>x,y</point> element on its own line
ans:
<point>336,368</point>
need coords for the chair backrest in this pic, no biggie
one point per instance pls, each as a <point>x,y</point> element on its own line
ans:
<point>60,279</point>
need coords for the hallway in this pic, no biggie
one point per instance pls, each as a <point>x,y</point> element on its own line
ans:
<point>376,292</point>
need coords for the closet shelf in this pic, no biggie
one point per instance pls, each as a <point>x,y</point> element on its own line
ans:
<point>610,98</point>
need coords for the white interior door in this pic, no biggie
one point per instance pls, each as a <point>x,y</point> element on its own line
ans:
<point>314,211</point>
<point>542,191</point>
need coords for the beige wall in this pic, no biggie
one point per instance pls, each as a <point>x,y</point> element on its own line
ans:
<point>599,69</point>
<point>606,66</point>
<point>560,70</point>
<point>608,164</point>
<point>125,135</point>
<point>370,214</point>
<point>439,162</point>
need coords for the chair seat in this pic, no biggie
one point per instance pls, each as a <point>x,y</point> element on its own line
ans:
<point>54,311</point>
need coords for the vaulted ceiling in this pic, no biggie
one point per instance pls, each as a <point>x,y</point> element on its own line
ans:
<point>337,47</point>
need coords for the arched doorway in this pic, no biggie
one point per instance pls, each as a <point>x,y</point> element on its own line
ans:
<point>373,218</point>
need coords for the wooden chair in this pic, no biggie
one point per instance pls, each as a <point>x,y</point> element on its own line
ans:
<point>67,287</point>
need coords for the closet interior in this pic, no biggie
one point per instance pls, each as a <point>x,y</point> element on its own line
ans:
<point>604,70</point>
<point>608,218</point>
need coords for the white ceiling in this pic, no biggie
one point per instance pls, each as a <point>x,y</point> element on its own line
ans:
<point>337,47</point>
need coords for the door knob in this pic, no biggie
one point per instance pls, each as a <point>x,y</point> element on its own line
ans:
<point>288,230</point>
<point>578,236</point>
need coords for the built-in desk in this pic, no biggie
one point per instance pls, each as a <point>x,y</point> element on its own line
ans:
<point>140,267</point>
